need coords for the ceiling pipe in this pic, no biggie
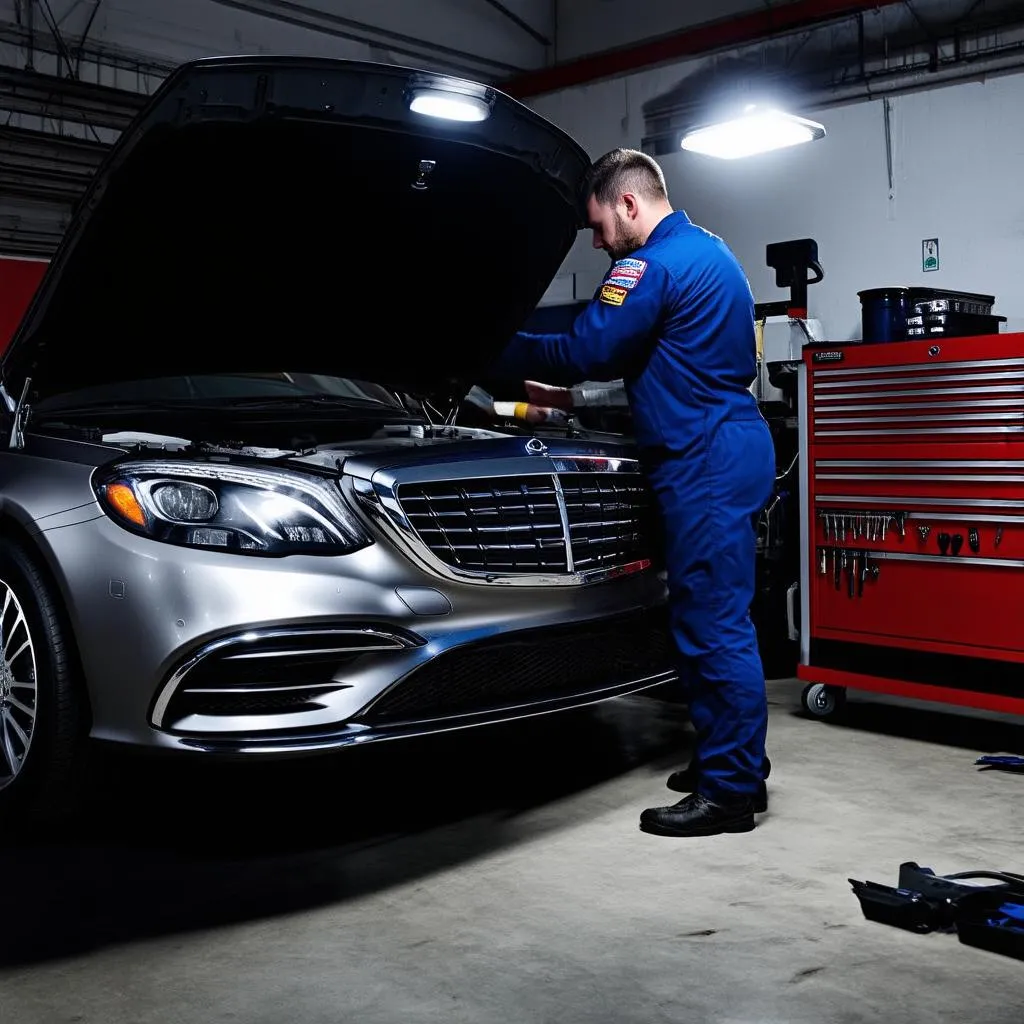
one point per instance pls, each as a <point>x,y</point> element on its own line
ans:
<point>896,82</point>
<point>691,42</point>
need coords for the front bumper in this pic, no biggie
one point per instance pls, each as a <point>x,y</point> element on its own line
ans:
<point>197,650</point>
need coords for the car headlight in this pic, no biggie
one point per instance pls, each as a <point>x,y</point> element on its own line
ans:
<point>231,508</point>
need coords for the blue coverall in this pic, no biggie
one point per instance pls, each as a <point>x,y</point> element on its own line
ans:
<point>675,321</point>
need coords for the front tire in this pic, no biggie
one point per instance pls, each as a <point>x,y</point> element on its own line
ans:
<point>42,721</point>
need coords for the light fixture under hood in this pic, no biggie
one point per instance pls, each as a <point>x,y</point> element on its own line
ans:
<point>450,99</point>
<point>755,131</point>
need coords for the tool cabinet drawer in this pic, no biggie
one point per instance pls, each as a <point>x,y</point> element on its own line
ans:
<point>912,394</point>
<point>969,601</point>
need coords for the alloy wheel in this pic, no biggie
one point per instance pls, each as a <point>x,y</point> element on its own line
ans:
<point>18,688</point>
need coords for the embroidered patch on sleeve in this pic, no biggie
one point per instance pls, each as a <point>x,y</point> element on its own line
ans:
<point>613,295</point>
<point>627,273</point>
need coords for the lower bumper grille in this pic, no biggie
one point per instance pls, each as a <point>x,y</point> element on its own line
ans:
<point>270,673</point>
<point>262,702</point>
<point>529,667</point>
<point>546,523</point>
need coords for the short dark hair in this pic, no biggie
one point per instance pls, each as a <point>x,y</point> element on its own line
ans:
<point>626,170</point>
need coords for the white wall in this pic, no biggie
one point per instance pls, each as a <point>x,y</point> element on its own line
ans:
<point>601,117</point>
<point>958,156</point>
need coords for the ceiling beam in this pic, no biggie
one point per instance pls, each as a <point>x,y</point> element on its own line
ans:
<point>106,56</point>
<point>63,99</point>
<point>327,23</point>
<point>21,236</point>
<point>46,167</point>
<point>744,29</point>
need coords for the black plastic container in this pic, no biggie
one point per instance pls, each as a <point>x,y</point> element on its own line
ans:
<point>952,325</point>
<point>899,314</point>
<point>942,300</point>
<point>884,314</point>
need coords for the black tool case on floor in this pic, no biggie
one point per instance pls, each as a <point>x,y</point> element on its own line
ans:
<point>989,917</point>
<point>921,901</point>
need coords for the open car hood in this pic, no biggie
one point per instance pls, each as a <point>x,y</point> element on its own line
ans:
<point>266,214</point>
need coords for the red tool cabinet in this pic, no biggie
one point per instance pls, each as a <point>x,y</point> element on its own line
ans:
<point>912,480</point>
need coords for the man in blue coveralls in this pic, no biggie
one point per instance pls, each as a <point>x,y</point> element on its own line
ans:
<point>674,319</point>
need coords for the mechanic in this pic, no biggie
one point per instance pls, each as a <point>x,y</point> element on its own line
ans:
<point>674,320</point>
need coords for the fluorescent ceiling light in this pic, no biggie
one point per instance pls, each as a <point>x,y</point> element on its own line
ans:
<point>756,132</point>
<point>450,106</point>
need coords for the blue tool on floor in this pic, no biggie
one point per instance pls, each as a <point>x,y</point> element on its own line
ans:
<point>1006,762</point>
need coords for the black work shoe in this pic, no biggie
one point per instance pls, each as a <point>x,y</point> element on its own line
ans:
<point>686,782</point>
<point>696,815</point>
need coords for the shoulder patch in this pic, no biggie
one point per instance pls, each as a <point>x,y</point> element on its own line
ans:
<point>614,295</point>
<point>627,273</point>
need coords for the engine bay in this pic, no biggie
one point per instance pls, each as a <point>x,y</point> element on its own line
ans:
<point>280,416</point>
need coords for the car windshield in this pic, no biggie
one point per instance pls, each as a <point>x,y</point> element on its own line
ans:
<point>226,388</point>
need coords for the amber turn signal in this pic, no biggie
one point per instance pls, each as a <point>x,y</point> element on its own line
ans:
<point>121,499</point>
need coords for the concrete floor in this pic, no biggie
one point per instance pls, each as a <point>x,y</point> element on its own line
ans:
<point>499,876</point>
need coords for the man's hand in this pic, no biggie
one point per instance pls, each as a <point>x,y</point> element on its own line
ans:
<point>545,395</point>
<point>545,414</point>
<point>530,413</point>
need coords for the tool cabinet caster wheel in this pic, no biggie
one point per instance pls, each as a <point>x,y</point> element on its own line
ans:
<point>823,701</point>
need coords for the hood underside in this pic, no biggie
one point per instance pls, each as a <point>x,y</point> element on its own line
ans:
<point>269,212</point>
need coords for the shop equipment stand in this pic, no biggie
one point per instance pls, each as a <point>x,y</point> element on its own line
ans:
<point>912,521</point>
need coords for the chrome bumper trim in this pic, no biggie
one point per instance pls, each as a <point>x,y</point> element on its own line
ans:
<point>388,642</point>
<point>355,735</point>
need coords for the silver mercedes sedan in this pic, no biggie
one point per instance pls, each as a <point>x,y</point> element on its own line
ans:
<point>241,510</point>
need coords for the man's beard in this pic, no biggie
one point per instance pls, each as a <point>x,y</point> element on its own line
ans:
<point>627,240</point>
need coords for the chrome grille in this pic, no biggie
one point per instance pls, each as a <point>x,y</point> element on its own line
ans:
<point>545,523</point>
<point>490,525</point>
<point>607,518</point>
